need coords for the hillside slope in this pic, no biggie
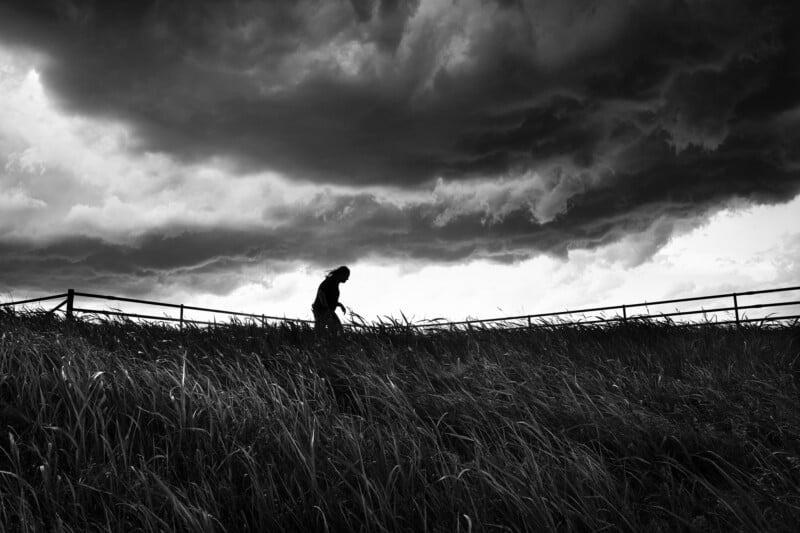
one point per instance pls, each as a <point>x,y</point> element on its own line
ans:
<point>117,426</point>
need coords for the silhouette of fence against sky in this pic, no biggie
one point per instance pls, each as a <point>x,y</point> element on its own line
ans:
<point>729,308</point>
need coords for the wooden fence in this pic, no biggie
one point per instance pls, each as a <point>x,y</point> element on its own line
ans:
<point>735,307</point>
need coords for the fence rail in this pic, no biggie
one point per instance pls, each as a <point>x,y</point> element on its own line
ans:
<point>622,312</point>
<point>71,310</point>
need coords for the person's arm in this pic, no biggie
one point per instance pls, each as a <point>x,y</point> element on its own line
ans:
<point>343,308</point>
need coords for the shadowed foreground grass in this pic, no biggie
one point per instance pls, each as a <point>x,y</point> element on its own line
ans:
<point>123,427</point>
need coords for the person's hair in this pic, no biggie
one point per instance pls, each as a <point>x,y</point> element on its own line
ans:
<point>341,270</point>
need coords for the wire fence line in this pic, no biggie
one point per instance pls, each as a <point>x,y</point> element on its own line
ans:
<point>733,311</point>
<point>71,310</point>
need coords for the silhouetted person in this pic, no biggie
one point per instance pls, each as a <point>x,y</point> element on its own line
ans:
<point>324,306</point>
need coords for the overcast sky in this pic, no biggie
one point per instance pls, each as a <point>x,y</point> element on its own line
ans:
<point>464,157</point>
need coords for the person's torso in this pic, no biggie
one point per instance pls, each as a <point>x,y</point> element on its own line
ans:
<point>330,289</point>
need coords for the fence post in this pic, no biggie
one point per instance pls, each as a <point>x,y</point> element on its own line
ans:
<point>181,317</point>
<point>529,322</point>
<point>624,313</point>
<point>736,308</point>
<point>70,303</point>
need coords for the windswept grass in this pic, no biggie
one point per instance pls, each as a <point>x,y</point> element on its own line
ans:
<point>642,427</point>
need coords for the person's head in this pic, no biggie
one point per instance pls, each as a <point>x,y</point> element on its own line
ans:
<point>341,274</point>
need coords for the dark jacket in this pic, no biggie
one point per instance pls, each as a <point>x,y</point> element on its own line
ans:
<point>327,296</point>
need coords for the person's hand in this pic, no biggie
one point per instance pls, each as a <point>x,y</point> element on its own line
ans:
<point>344,311</point>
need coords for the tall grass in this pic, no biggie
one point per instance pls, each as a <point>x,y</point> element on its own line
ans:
<point>118,426</point>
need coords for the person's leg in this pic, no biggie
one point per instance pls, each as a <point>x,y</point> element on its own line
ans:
<point>320,320</point>
<point>335,324</point>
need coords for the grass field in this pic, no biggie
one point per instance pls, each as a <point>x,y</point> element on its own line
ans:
<point>638,427</point>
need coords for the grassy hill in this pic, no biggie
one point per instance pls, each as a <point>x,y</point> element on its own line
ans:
<point>637,427</point>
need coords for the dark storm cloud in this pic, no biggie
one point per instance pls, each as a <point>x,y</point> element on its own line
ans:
<point>538,79</point>
<point>631,114</point>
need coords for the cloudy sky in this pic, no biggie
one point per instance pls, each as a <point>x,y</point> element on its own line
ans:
<point>464,157</point>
